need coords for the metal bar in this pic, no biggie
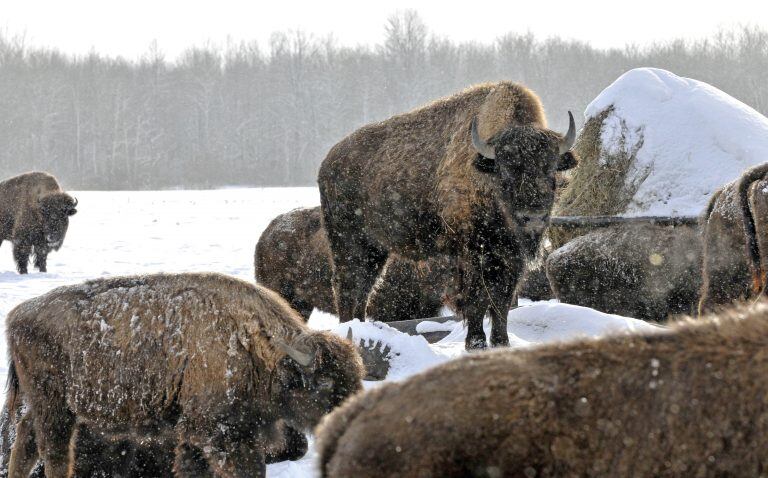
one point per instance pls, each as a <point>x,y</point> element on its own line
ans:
<point>573,222</point>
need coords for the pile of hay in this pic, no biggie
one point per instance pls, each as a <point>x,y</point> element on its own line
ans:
<point>656,144</point>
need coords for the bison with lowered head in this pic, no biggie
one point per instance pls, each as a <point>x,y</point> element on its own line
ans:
<point>214,363</point>
<point>686,401</point>
<point>471,176</point>
<point>292,257</point>
<point>735,242</point>
<point>34,216</point>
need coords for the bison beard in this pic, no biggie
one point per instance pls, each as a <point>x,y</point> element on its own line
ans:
<point>426,183</point>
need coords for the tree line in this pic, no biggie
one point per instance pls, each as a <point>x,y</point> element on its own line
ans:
<point>246,115</point>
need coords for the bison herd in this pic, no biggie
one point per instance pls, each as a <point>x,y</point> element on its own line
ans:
<point>200,374</point>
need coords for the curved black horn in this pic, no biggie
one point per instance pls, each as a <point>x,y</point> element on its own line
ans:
<point>75,204</point>
<point>570,137</point>
<point>481,146</point>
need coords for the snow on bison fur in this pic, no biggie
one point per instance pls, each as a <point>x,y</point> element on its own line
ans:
<point>690,400</point>
<point>735,229</point>
<point>34,216</point>
<point>292,258</point>
<point>471,176</point>
<point>209,361</point>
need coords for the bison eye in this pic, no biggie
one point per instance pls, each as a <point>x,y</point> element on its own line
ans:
<point>485,165</point>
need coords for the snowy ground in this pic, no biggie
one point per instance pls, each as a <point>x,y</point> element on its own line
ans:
<point>116,233</point>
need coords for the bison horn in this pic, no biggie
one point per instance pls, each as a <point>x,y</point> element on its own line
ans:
<point>349,335</point>
<point>481,146</point>
<point>570,137</point>
<point>302,358</point>
<point>75,203</point>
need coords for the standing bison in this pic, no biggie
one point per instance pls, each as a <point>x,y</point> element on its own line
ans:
<point>34,216</point>
<point>735,243</point>
<point>471,176</point>
<point>214,364</point>
<point>681,402</point>
<point>292,258</point>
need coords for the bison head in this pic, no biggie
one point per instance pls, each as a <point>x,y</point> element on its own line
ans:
<point>520,164</point>
<point>55,209</point>
<point>320,370</point>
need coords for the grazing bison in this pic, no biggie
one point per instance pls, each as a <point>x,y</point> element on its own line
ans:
<point>735,229</point>
<point>34,216</point>
<point>471,176</point>
<point>292,258</point>
<point>211,362</point>
<point>642,271</point>
<point>686,401</point>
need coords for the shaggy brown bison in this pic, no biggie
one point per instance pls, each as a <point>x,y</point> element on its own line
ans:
<point>34,216</point>
<point>471,176</point>
<point>292,257</point>
<point>211,362</point>
<point>642,271</point>
<point>735,251</point>
<point>686,401</point>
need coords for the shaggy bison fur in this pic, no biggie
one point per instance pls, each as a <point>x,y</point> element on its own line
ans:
<point>34,216</point>
<point>471,176</point>
<point>690,400</point>
<point>209,362</point>
<point>643,271</point>
<point>735,243</point>
<point>292,257</point>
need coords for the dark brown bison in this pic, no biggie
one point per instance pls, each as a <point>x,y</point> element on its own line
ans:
<point>34,216</point>
<point>211,362</point>
<point>471,176</point>
<point>735,230</point>
<point>642,271</point>
<point>292,257</point>
<point>686,401</point>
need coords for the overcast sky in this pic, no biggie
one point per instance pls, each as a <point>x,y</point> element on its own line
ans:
<point>128,27</point>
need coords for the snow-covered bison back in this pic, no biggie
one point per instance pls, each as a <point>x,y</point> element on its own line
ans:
<point>686,401</point>
<point>471,176</point>
<point>214,362</point>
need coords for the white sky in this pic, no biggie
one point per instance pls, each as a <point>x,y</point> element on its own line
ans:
<point>128,27</point>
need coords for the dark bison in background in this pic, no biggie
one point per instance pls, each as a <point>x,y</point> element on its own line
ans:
<point>293,258</point>
<point>686,401</point>
<point>34,216</point>
<point>471,176</point>
<point>735,243</point>
<point>215,365</point>
<point>643,271</point>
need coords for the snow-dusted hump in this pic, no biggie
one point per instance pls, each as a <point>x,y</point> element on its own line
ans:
<point>691,138</point>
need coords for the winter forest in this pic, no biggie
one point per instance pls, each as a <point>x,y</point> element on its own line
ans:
<point>265,115</point>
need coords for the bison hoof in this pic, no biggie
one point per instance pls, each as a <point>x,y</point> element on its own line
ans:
<point>476,343</point>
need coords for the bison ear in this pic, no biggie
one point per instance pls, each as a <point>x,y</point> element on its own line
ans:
<point>566,161</point>
<point>72,211</point>
<point>485,164</point>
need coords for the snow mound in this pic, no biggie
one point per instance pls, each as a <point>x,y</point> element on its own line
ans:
<point>546,322</point>
<point>690,139</point>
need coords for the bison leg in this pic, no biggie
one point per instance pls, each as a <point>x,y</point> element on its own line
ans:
<point>24,451</point>
<point>501,279</point>
<point>53,429</point>
<point>354,274</point>
<point>41,258</point>
<point>21,254</point>
<point>472,306</point>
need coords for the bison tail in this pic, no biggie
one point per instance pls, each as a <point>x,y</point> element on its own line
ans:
<point>750,232</point>
<point>7,418</point>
